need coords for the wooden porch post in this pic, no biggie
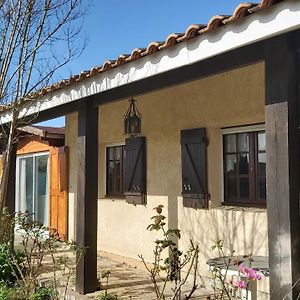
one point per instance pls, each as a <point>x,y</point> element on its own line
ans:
<point>282,70</point>
<point>87,193</point>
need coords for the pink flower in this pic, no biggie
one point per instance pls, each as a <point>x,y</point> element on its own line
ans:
<point>240,284</point>
<point>242,268</point>
<point>258,277</point>
<point>250,273</point>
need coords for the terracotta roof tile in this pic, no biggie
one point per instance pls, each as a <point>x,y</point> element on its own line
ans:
<point>152,47</point>
<point>107,65</point>
<point>214,22</point>
<point>135,54</point>
<point>264,4</point>
<point>121,59</point>
<point>241,11</point>
<point>171,40</point>
<point>191,32</point>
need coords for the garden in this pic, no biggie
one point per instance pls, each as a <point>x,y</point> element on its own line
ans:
<point>36,265</point>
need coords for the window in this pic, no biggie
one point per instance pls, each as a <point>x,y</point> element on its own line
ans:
<point>126,171</point>
<point>245,168</point>
<point>114,171</point>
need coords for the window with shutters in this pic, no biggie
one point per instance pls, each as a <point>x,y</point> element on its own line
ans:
<point>194,168</point>
<point>115,171</point>
<point>245,168</point>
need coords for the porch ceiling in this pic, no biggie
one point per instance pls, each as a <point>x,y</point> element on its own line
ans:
<point>198,43</point>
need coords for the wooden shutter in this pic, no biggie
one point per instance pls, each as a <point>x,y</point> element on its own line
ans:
<point>194,168</point>
<point>63,168</point>
<point>135,170</point>
<point>59,190</point>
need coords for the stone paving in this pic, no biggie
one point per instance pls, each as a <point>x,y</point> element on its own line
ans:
<point>128,280</point>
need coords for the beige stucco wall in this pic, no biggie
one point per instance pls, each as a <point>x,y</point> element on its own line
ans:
<point>229,99</point>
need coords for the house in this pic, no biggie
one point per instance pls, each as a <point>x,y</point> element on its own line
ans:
<point>219,143</point>
<point>41,177</point>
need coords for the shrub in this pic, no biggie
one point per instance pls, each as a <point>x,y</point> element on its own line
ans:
<point>8,260</point>
<point>169,270</point>
<point>108,296</point>
<point>10,293</point>
<point>44,293</point>
<point>7,225</point>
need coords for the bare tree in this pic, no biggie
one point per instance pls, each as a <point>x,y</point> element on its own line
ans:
<point>37,37</point>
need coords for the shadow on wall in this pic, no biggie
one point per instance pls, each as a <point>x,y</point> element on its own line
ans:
<point>242,230</point>
<point>172,212</point>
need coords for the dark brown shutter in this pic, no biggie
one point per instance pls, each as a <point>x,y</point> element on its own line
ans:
<point>135,170</point>
<point>194,168</point>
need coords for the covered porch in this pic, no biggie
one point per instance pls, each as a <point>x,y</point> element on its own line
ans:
<point>244,81</point>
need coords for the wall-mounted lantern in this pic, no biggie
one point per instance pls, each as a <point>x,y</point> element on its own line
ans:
<point>132,119</point>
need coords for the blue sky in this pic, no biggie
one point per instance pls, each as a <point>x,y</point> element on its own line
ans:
<point>115,27</point>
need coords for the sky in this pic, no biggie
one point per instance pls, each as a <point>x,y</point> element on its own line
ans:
<point>115,27</point>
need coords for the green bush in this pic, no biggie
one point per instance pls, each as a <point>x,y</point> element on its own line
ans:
<point>9,258</point>
<point>108,296</point>
<point>5,291</point>
<point>43,293</point>
<point>9,293</point>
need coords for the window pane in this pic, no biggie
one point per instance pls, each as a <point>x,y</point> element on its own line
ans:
<point>117,176</point>
<point>110,175</point>
<point>26,185</point>
<point>262,164</point>
<point>243,142</point>
<point>41,192</point>
<point>110,152</point>
<point>118,153</point>
<point>243,163</point>
<point>231,164</point>
<point>244,187</point>
<point>231,192</point>
<point>230,143</point>
<point>115,170</point>
<point>261,137</point>
<point>117,185</point>
<point>262,188</point>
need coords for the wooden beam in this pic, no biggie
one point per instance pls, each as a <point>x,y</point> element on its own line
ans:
<point>53,112</point>
<point>282,67</point>
<point>87,193</point>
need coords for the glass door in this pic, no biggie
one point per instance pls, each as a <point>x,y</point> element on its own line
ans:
<point>32,186</point>
<point>25,185</point>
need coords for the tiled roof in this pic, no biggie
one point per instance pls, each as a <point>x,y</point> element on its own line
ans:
<point>59,132</point>
<point>51,129</point>
<point>241,11</point>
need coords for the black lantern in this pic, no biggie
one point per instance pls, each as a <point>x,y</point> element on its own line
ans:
<point>132,119</point>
